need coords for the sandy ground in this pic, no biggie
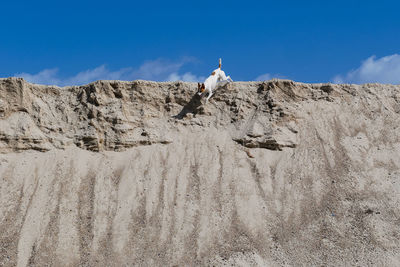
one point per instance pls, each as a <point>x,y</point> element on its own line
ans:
<point>288,175</point>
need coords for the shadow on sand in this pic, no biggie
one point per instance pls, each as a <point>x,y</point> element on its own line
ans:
<point>191,107</point>
<point>195,102</point>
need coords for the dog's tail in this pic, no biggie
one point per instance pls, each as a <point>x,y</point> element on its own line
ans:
<point>220,63</point>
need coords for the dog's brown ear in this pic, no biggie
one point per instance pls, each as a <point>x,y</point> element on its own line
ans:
<point>198,85</point>
<point>203,87</point>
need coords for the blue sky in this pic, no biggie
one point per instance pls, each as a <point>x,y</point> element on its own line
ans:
<point>75,42</point>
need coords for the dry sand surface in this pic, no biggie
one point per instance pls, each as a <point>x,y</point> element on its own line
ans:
<point>140,173</point>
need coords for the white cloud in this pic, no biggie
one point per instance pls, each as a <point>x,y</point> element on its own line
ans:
<point>51,77</point>
<point>381,70</point>
<point>268,76</point>
<point>263,77</point>
<point>186,77</point>
<point>156,70</point>
<point>98,73</point>
<point>47,76</point>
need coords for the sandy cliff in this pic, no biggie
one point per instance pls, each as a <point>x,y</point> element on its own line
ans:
<point>142,173</point>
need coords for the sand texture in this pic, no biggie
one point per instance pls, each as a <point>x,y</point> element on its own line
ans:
<point>273,173</point>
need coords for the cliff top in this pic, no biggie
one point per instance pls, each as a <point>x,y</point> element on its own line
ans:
<point>115,115</point>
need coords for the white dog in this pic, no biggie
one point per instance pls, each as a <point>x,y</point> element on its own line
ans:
<point>217,78</point>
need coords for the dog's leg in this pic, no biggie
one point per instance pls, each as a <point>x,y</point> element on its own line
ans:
<point>222,76</point>
<point>209,95</point>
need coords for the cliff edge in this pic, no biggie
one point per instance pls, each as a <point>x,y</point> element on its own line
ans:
<point>143,173</point>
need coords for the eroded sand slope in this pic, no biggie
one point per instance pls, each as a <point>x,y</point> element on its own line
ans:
<point>141,173</point>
